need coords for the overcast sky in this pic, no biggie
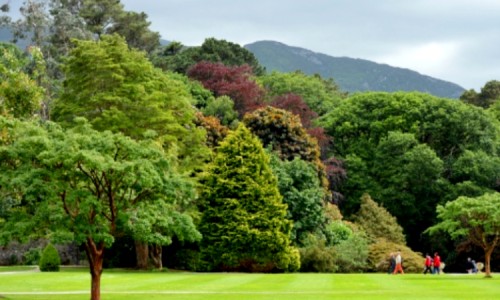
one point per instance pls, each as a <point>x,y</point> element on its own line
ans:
<point>453,40</point>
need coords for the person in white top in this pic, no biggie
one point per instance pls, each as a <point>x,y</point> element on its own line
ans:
<point>399,266</point>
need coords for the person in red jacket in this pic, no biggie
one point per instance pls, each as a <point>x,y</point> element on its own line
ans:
<point>437,264</point>
<point>428,264</point>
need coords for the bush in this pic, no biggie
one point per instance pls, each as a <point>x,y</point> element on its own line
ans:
<point>50,260</point>
<point>413,262</point>
<point>317,257</point>
<point>32,256</point>
<point>352,254</point>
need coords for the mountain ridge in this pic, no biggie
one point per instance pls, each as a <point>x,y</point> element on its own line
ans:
<point>351,74</point>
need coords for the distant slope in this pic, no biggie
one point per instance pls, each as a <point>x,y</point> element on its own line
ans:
<point>350,74</point>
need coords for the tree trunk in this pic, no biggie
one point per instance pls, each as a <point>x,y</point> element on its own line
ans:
<point>95,255</point>
<point>487,259</point>
<point>141,254</point>
<point>155,252</point>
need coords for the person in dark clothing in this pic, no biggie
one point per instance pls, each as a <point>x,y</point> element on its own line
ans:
<point>392,263</point>
<point>428,264</point>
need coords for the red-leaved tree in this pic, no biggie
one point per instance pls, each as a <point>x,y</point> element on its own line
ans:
<point>236,82</point>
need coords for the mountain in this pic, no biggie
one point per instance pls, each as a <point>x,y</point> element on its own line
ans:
<point>352,75</point>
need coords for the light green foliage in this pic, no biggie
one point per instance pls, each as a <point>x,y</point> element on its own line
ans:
<point>118,89</point>
<point>50,260</point>
<point>20,95</point>
<point>223,109</point>
<point>320,95</point>
<point>337,232</point>
<point>244,224</point>
<point>80,183</point>
<point>352,254</point>
<point>301,189</point>
<point>477,220</point>
<point>377,222</point>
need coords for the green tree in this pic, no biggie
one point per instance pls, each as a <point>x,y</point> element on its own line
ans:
<point>377,222</point>
<point>477,220</point>
<point>81,184</point>
<point>20,95</point>
<point>302,192</point>
<point>489,94</point>
<point>222,108</point>
<point>177,58</point>
<point>319,94</point>
<point>118,89</point>
<point>244,224</point>
<point>402,148</point>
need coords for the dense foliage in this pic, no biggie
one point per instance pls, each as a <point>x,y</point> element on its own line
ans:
<point>243,223</point>
<point>50,260</point>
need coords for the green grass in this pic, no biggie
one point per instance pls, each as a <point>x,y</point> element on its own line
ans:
<point>74,284</point>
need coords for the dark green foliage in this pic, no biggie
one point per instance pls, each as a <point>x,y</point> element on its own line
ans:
<point>352,75</point>
<point>32,256</point>
<point>180,59</point>
<point>244,224</point>
<point>50,260</point>
<point>301,189</point>
<point>377,222</point>
<point>410,151</point>
<point>489,95</point>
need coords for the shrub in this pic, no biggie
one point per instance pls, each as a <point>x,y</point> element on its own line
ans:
<point>317,257</point>
<point>352,254</point>
<point>50,260</point>
<point>32,256</point>
<point>413,262</point>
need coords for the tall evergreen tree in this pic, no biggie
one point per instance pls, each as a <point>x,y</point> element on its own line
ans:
<point>244,223</point>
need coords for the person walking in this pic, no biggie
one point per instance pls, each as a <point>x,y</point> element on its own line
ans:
<point>428,264</point>
<point>399,264</point>
<point>437,264</point>
<point>392,263</point>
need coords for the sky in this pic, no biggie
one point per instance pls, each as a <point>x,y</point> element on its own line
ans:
<point>452,40</point>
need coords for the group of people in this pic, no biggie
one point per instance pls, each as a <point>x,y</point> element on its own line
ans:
<point>432,264</point>
<point>471,266</point>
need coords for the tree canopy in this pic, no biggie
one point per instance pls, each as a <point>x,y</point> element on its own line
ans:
<point>477,220</point>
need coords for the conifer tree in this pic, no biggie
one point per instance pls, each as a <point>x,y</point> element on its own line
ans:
<point>378,222</point>
<point>244,223</point>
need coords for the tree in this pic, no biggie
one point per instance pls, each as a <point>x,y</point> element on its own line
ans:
<point>402,149</point>
<point>490,94</point>
<point>223,109</point>
<point>20,95</point>
<point>319,94</point>
<point>118,89</point>
<point>178,58</point>
<point>235,82</point>
<point>294,104</point>
<point>302,192</point>
<point>243,223</point>
<point>475,219</point>
<point>377,222</point>
<point>81,184</point>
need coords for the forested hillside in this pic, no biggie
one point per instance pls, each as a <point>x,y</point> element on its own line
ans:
<point>352,75</point>
<point>134,154</point>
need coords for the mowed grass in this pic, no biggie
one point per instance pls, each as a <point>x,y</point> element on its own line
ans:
<point>120,284</point>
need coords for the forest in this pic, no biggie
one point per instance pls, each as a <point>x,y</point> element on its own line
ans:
<point>126,153</point>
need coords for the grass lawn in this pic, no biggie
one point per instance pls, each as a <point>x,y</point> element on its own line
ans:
<point>118,284</point>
